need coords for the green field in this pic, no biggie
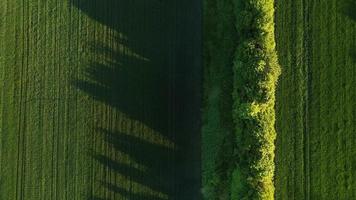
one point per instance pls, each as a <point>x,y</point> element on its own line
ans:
<point>108,99</point>
<point>316,149</point>
<point>100,99</point>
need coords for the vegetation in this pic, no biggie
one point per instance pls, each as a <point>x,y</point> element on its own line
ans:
<point>315,101</point>
<point>217,130</point>
<point>240,161</point>
<point>256,71</point>
<point>99,100</point>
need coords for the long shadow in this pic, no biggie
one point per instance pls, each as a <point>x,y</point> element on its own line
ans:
<point>122,191</point>
<point>132,86</point>
<point>348,8</point>
<point>353,54</point>
<point>156,80</point>
<point>116,189</point>
<point>156,159</point>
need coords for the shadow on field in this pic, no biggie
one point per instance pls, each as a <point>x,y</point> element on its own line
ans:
<point>349,9</point>
<point>151,73</point>
<point>353,54</point>
<point>156,159</point>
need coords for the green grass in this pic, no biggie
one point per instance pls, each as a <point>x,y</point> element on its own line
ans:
<point>96,100</point>
<point>217,139</point>
<point>315,156</point>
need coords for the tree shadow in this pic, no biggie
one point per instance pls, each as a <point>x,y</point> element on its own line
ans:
<point>130,84</point>
<point>157,160</point>
<point>349,9</point>
<point>151,72</point>
<point>353,54</point>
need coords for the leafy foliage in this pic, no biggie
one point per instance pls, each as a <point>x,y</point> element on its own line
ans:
<point>256,71</point>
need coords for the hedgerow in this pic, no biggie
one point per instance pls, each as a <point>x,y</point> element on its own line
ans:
<point>256,71</point>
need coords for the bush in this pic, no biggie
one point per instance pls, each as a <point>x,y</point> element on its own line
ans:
<point>256,71</point>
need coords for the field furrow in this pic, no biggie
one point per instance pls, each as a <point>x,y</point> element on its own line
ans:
<point>322,53</point>
<point>100,99</point>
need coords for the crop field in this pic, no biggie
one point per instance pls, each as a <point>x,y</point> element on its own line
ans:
<point>100,99</point>
<point>316,100</point>
<point>108,99</point>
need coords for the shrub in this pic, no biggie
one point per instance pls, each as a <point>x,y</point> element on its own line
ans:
<point>256,71</point>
